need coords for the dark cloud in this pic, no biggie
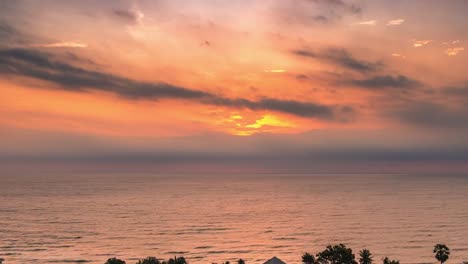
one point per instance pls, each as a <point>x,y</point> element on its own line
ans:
<point>44,66</point>
<point>386,81</point>
<point>340,4</point>
<point>340,57</point>
<point>11,35</point>
<point>302,77</point>
<point>6,31</point>
<point>312,12</point>
<point>287,106</point>
<point>432,115</point>
<point>456,91</point>
<point>128,15</point>
<point>35,64</point>
<point>321,18</point>
<point>308,149</point>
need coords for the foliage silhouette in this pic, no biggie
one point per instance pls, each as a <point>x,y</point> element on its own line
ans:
<point>337,254</point>
<point>177,260</point>
<point>149,260</point>
<point>333,254</point>
<point>365,257</point>
<point>442,253</point>
<point>114,261</point>
<point>388,261</point>
<point>308,258</point>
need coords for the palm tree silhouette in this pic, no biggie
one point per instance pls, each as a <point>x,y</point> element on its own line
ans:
<point>114,261</point>
<point>365,257</point>
<point>240,261</point>
<point>442,252</point>
<point>308,258</point>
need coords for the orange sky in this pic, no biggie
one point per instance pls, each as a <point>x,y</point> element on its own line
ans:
<point>146,71</point>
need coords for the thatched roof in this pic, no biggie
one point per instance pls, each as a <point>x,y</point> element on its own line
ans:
<point>274,260</point>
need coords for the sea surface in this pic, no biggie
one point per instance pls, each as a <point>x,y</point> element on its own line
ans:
<point>87,218</point>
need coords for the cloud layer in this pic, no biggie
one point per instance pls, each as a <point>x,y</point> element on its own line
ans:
<point>40,65</point>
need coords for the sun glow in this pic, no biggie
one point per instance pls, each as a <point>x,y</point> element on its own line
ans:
<point>246,126</point>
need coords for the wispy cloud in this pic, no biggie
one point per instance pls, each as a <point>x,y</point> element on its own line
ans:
<point>275,71</point>
<point>368,23</point>
<point>420,43</point>
<point>453,42</point>
<point>395,22</point>
<point>64,44</point>
<point>386,81</point>
<point>340,57</point>
<point>398,55</point>
<point>454,51</point>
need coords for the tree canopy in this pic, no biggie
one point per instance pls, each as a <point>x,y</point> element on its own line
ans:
<point>336,254</point>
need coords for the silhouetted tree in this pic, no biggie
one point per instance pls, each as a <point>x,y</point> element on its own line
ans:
<point>114,261</point>
<point>365,257</point>
<point>308,258</point>
<point>177,260</point>
<point>1,260</point>
<point>388,261</point>
<point>442,252</point>
<point>337,254</point>
<point>240,261</point>
<point>148,260</point>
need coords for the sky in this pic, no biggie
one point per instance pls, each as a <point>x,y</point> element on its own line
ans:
<point>260,86</point>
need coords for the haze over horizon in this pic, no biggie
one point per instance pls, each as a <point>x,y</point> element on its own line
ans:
<point>301,85</point>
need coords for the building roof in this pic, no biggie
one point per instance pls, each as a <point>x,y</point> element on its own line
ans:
<point>274,260</point>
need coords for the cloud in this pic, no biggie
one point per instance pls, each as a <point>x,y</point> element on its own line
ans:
<point>340,4</point>
<point>395,22</point>
<point>454,51</point>
<point>12,35</point>
<point>420,43</point>
<point>340,57</point>
<point>273,151</point>
<point>6,31</point>
<point>312,12</point>
<point>386,81</point>
<point>398,55</point>
<point>456,91</point>
<point>432,115</point>
<point>453,42</point>
<point>275,71</point>
<point>303,109</point>
<point>129,15</point>
<point>42,66</point>
<point>368,23</point>
<point>65,44</point>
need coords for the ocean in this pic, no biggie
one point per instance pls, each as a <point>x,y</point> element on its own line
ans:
<point>87,218</point>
